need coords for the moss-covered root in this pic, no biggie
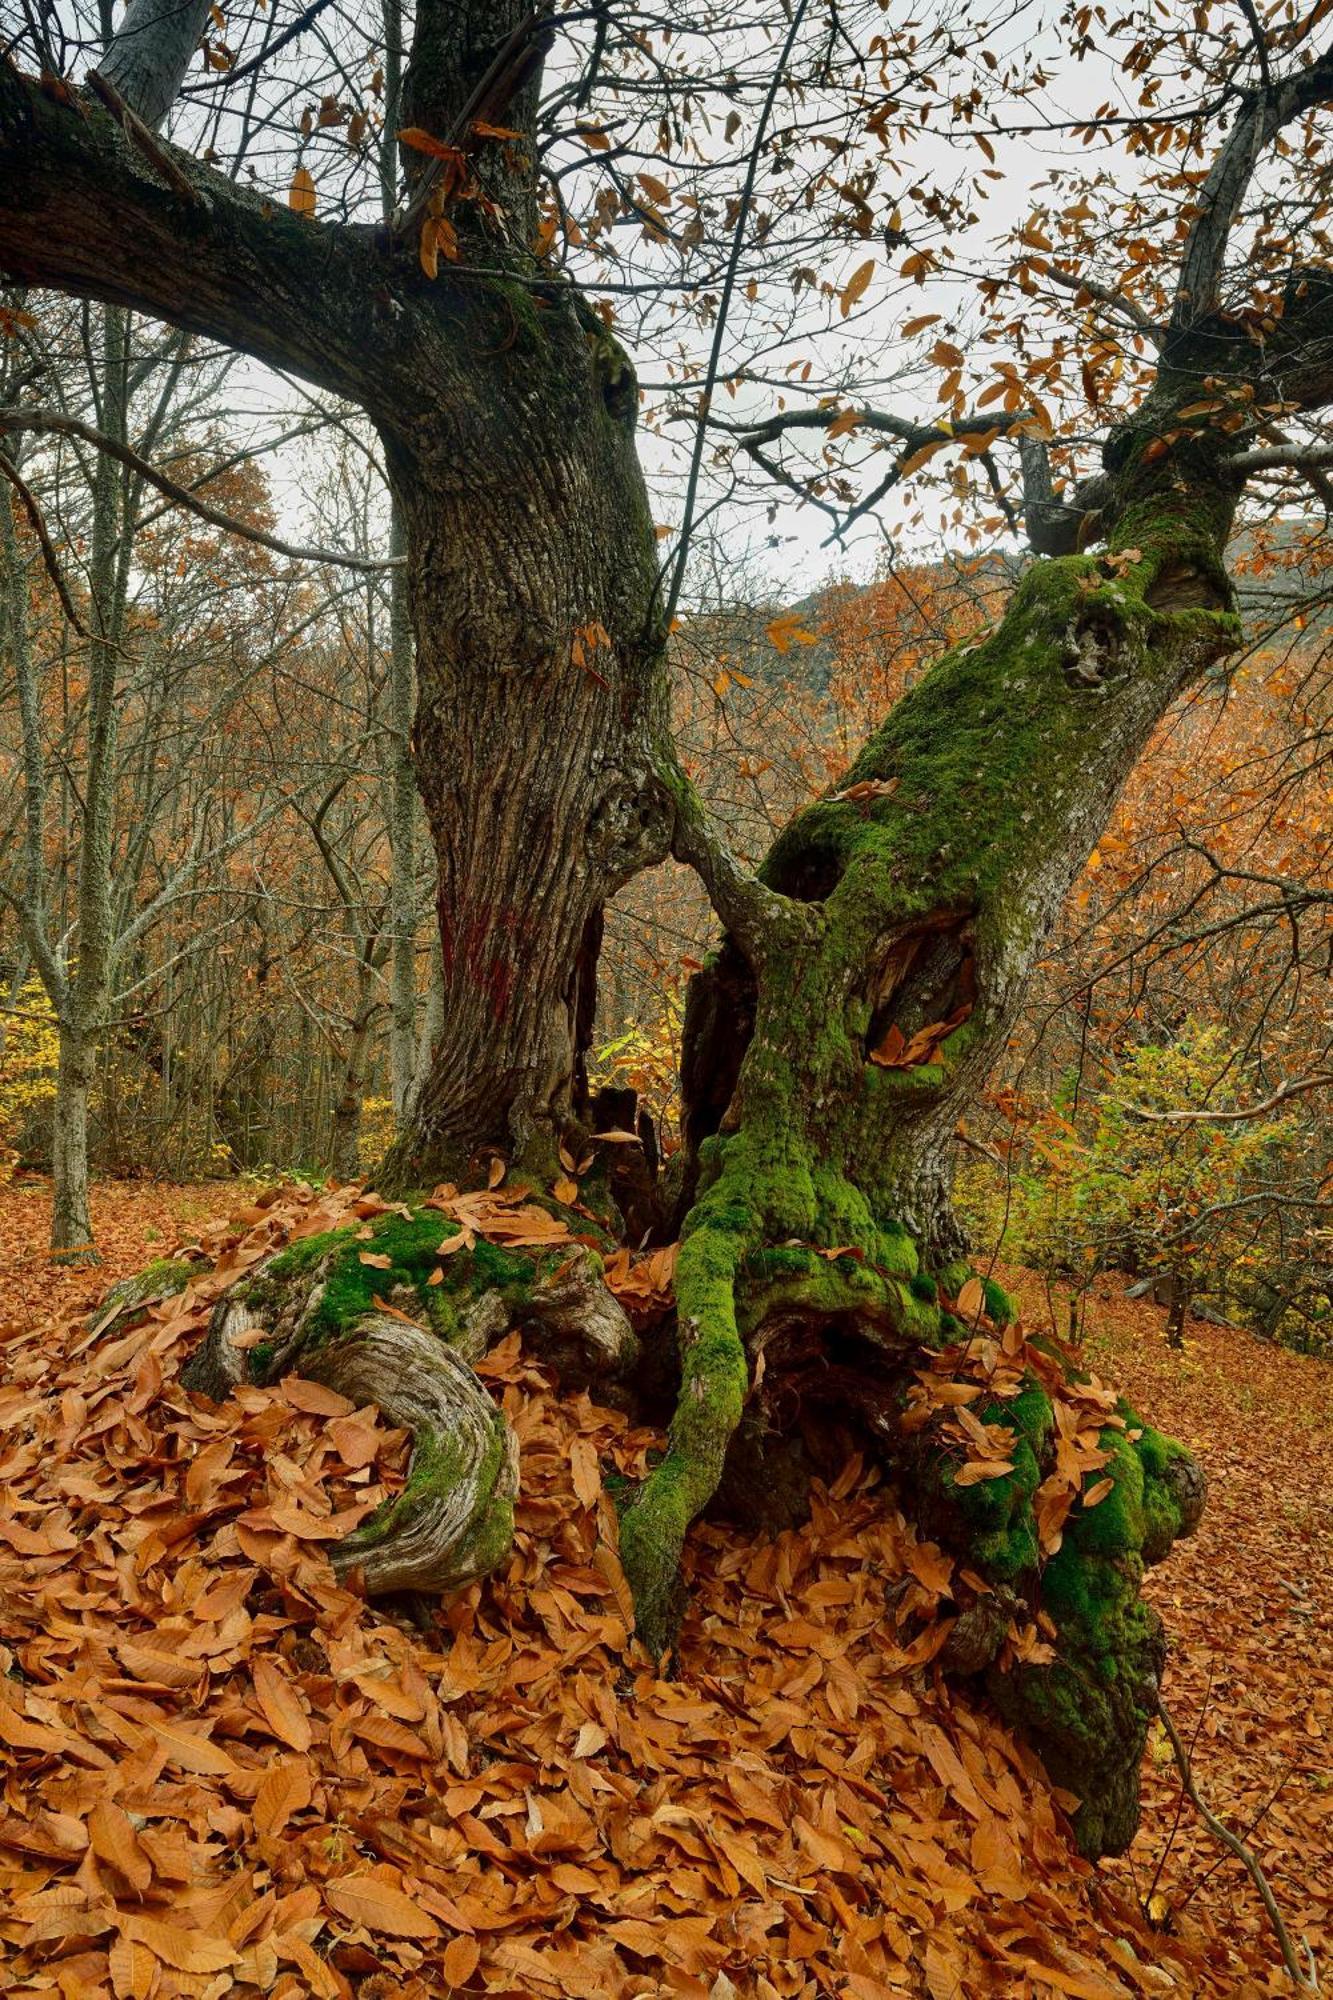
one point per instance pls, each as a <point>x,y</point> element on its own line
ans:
<point>714,1379</point>
<point>1087,1706</point>
<point>161,1279</point>
<point>454,1520</point>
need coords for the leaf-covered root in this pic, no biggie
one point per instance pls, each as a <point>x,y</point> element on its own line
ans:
<point>161,1279</point>
<point>1084,1498</point>
<point>396,1314</point>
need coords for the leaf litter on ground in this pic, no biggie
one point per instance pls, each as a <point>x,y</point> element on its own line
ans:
<point>225,1774</point>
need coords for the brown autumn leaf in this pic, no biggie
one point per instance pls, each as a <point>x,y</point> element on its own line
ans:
<point>855,286</point>
<point>420,141</point>
<point>586,1476</point>
<point>978,1469</point>
<point>192,1749</point>
<point>113,1840</point>
<point>462,1956</point>
<point>281,1705</point>
<point>379,1907</point>
<point>971,1299</point>
<point>284,1790</point>
<point>184,1950</point>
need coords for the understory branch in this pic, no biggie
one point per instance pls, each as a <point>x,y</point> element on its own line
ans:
<point>1304,1979</point>
<point>52,423</point>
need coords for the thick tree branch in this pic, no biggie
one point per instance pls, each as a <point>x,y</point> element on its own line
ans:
<point>756,917</point>
<point>150,54</point>
<point>226,263</point>
<point>1301,1087</point>
<point>1266,112</point>
<point>1283,457</point>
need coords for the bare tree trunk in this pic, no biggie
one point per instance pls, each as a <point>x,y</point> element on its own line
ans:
<point>402,835</point>
<point>344,1151</point>
<point>540,712</point>
<point>71,1217</point>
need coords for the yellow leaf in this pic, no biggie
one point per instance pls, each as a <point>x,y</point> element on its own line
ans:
<point>301,193</point>
<point>856,285</point>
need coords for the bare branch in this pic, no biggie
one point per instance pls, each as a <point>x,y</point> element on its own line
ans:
<point>51,423</point>
<point>44,542</point>
<point>1304,1981</point>
<point>1301,1088</point>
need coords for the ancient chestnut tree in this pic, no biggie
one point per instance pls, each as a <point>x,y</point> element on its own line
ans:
<point>872,968</point>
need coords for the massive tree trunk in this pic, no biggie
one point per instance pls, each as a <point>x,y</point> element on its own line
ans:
<point>541,705</point>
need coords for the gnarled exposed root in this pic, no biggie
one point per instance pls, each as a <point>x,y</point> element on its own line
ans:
<point>454,1520</point>
<point>578,1325</point>
<point>317,1309</point>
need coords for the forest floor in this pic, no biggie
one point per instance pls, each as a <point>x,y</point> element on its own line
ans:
<point>225,1774</point>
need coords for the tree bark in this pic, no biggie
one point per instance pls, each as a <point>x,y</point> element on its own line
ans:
<point>541,705</point>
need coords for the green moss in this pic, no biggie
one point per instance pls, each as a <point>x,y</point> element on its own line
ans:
<point>161,1279</point>
<point>999,1305</point>
<point>259,1360</point>
<point>1115,1526</point>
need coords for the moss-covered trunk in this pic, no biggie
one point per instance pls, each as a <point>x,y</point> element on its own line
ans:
<point>833,1050</point>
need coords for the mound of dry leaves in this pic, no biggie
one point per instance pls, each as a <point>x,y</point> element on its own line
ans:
<point>225,1774</point>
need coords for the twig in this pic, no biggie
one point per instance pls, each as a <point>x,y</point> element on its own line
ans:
<point>11,472</point>
<point>1303,1982</point>
<point>720,324</point>
<point>135,130</point>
